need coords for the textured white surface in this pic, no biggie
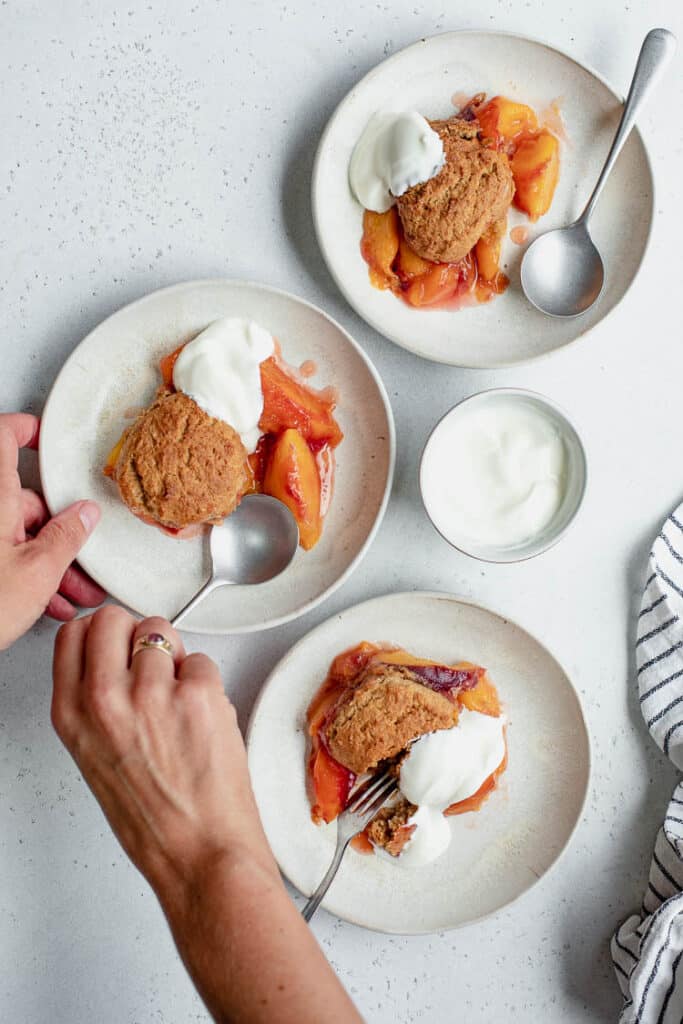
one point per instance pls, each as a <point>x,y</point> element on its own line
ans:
<point>130,133</point>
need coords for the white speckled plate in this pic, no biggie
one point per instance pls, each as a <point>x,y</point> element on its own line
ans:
<point>424,77</point>
<point>116,368</point>
<point>497,853</point>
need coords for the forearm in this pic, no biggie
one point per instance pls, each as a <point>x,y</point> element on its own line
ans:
<point>169,769</point>
<point>250,954</point>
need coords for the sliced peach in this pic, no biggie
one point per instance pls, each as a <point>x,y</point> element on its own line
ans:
<point>362,844</point>
<point>331,783</point>
<point>113,457</point>
<point>487,253</point>
<point>379,245</point>
<point>409,264</point>
<point>483,697</point>
<point>258,460</point>
<point>166,366</point>
<point>292,476</point>
<point>485,290</point>
<point>438,285</point>
<point>401,657</point>
<point>287,403</point>
<point>535,168</point>
<point>474,802</point>
<point>347,665</point>
<point>326,697</point>
<point>487,250</point>
<point>506,119</point>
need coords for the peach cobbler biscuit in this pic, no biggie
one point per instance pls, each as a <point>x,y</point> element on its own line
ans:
<point>445,217</point>
<point>382,714</point>
<point>179,466</point>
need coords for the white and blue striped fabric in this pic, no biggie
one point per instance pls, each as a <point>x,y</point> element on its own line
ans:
<point>647,950</point>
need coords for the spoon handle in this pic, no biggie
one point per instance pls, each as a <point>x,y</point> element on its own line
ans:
<point>199,596</point>
<point>656,52</point>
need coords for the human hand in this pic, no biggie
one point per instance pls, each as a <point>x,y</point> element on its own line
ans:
<point>158,743</point>
<point>36,551</point>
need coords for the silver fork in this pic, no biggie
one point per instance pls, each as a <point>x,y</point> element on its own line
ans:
<point>364,804</point>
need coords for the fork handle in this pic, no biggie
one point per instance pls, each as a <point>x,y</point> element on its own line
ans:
<point>315,900</point>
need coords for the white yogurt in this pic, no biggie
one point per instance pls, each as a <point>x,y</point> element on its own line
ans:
<point>219,369</point>
<point>431,838</point>
<point>442,768</point>
<point>494,472</point>
<point>397,150</point>
<point>449,765</point>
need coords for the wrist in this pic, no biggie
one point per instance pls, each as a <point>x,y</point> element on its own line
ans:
<point>182,888</point>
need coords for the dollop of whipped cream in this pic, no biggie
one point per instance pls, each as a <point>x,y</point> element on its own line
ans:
<point>219,370</point>
<point>398,149</point>
<point>431,838</point>
<point>442,768</point>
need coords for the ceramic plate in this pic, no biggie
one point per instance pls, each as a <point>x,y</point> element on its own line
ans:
<point>115,369</point>
<point>496,854</point>
<point>425,77</point>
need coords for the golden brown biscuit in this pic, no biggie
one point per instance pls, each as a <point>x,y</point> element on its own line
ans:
<point>443,218</point>
<point>179,466</point>
<point>382,714</point>
<point>387,829</point>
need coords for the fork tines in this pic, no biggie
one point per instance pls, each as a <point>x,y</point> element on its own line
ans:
<point>370,795</point>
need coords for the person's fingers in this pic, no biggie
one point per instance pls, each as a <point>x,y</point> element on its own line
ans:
<point>199,668</point>
<point>67,669</point>
<point>35,511</point>
<point>59,608</point>
<point>76,586</point>
<point>150,665</point>
<point>17,430</point>
<point>105,690</point>
<point>57,544</point>
<point>24,427</point>
<point>153,670</point>
<point>12,434</point>
<point>108,648</point>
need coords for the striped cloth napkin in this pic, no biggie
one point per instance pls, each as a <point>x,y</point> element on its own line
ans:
<point>647,949</point>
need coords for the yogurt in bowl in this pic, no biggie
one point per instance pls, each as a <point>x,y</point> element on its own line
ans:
<point>503,475</point>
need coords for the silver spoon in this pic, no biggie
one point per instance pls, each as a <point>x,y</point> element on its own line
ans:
<point>254,544</point>
<point>562,271</point>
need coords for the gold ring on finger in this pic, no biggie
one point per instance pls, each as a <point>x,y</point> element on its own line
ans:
<point>152,642</point>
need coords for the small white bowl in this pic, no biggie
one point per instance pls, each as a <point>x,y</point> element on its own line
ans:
<point>576,480</point>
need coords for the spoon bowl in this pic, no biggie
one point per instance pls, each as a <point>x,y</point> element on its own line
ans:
<point>562,271</point>
<point>253,545</point>
<point>256,543</point>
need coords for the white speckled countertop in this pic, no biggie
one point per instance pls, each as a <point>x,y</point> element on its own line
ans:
<point>144,144</point>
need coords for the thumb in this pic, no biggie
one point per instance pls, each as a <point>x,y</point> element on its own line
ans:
<point>55,547</point>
